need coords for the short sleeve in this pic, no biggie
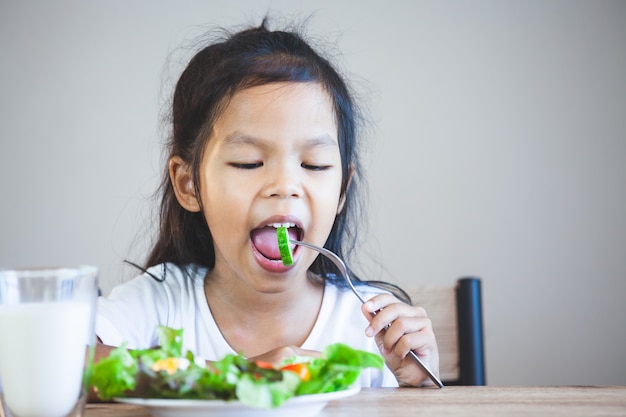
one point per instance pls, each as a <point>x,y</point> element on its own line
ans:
<point>132,312</point>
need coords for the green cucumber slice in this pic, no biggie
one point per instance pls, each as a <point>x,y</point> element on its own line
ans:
<point>283,246</point>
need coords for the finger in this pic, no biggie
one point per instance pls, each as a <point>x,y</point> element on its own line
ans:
<point>407,334</point>
<point>378,302</point>
<point>381,301</point>
<point>279,354</point>
<point>392,312</point>
<point>309,353</point>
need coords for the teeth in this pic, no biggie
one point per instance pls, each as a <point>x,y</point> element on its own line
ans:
<point>277,225</point>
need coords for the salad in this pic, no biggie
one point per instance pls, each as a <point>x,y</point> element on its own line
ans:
<point>164,372</point>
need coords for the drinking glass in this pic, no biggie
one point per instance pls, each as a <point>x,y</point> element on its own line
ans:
<point>46,340</point>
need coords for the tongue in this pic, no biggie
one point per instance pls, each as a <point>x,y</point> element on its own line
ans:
<point>266,241</point>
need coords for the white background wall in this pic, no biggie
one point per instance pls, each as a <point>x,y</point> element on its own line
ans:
<point>499,151</point>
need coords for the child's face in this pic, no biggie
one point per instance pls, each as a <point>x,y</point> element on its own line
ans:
<point>273,157</point>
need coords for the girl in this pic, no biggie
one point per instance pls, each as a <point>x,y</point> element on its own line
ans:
<point>263,135</point>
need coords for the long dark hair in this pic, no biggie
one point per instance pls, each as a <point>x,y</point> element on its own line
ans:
<point>249,58</point>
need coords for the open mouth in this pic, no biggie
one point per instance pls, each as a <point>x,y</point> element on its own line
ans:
<point>265,240</point>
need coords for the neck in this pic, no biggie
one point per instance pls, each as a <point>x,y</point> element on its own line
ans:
<point>239,295</point>
<point>256,319</point>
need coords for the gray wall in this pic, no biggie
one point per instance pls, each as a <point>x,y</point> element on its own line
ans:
<point>497,148</point>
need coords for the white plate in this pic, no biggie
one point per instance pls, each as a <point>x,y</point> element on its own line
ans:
<point>301,406</point>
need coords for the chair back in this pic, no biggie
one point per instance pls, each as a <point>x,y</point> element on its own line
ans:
<point>456,314</point>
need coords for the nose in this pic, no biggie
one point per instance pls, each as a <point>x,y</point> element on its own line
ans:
<point>283,181</point>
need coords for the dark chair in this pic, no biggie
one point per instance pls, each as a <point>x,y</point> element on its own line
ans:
<point>456,314</point>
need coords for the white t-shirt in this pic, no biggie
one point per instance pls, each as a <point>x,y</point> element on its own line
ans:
<point>133,310</point>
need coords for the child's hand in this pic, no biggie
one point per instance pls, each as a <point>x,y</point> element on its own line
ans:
<point>409,329</point>
<point>277,355</point>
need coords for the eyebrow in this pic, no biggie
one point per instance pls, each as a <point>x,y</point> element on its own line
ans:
<point>236,139</point>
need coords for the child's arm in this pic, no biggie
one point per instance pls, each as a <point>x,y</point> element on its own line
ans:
<point>102,351</point>
<point>409,329</point>
<point>277,355</point>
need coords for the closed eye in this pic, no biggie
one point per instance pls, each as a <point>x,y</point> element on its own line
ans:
<point>311,167</point>
<point>242,165</point>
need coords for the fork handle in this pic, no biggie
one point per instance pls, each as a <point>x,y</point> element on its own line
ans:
<point>425,368</point>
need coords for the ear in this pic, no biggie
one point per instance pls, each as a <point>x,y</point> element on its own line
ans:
<point>342,198</point>
<point>182,180</point>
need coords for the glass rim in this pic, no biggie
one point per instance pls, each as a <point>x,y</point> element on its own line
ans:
<point>49,272</point>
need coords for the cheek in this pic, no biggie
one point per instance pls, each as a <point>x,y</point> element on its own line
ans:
<point>327,202</point>
<point>225,205</point>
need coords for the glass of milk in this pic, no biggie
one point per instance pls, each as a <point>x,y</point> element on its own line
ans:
<point>46,340</point>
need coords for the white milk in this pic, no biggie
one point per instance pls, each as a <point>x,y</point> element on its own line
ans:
<point>42,356</point>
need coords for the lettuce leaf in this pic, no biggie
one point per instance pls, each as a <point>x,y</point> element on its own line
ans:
<point>115,374</point>
<point>337,369</point>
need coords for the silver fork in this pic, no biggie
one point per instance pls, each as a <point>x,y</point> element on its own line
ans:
<point>344,272</point>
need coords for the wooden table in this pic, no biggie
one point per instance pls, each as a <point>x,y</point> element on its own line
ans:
<point>566,401</point>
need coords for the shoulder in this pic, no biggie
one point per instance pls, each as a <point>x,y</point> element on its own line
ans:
<point>160,288</point>
<point>163,294</point>
<point>364,289</point>
<point>344,303</point>
<point>171,273</point>
<point>163,278</point>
